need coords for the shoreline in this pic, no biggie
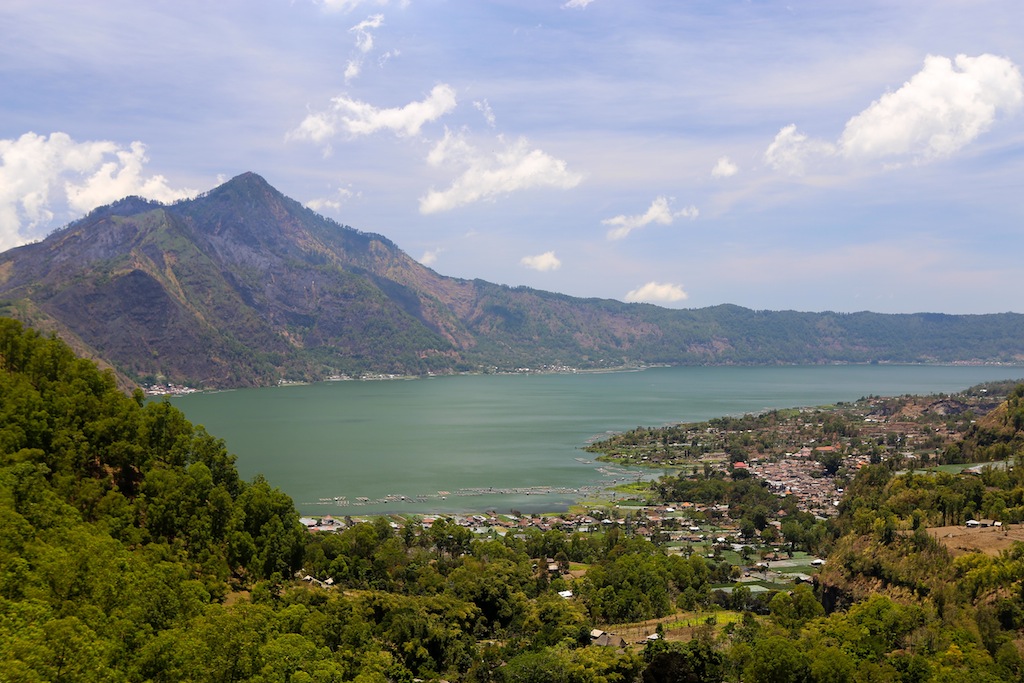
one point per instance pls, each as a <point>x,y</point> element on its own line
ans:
<point>172,390</point>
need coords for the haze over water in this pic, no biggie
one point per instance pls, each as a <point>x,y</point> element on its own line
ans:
<point>478,442</point>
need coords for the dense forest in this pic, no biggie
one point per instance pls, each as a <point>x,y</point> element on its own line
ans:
<point>132,551</point>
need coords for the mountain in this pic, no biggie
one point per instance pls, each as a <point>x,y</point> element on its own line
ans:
<point>244,286</point>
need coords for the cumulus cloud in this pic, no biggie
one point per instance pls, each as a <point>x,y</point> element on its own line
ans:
<point>355,118</point>
<point>657,292</point>
<point>659,212</point>
<point>791,151</point>
<point>429,257</point>
<point>940,109</point>
<point>488,175</point>
<point>724,168</point>
<point>542,262</point>
<point>318,127</point>
<point>452,149</point>
<point>43,179</point>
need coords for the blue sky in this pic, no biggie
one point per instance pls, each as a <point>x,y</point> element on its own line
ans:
<point>812,156</point>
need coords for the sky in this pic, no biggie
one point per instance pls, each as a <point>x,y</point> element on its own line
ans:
<point>803,155</point>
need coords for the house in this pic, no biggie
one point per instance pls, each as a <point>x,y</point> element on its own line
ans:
<point>609,640</point>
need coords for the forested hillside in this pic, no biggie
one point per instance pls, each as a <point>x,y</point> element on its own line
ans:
<point>131,551</point>
<point>120,519</point>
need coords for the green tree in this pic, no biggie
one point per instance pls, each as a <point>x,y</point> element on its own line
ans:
<point>776,660</point>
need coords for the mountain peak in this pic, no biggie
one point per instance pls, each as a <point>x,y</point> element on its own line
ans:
<point>248,179</point>
<point>247,184</point>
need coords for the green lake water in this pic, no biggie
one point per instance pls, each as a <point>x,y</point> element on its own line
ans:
<point>479,442</point>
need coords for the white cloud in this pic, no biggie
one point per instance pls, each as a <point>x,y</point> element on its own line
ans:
<point>360,118</point>
<point>657,292</point>
<point>429,257</point>
<point>790,151</point>
<point>724,168</point>
<point>943,107</point>
<point>484,108</point>
<point>364,39</point>
<point>333,203</point>
<point>349,5</point>
<point>940,109</point>
<point>489,175</point>
<point>318,127</point>
<point>321,203</point>
<point>452,149</point>
<point>542,262</point>
<point>577,4</point>
<point>364,43</point>
<point>44,178</point>
<point>659,212</point>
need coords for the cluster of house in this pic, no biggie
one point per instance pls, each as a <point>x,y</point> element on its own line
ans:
<point>326,524</point>
<point>982,523</point>
<point>661,522</point>
<point>502,524</point>
<point>168,390</point>
<point>484,524</point>
<point>801,475</point>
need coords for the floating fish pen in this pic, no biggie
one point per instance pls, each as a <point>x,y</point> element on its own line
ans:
<point>612,475</point>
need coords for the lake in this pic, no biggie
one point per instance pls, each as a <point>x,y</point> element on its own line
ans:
<point>502,442</point>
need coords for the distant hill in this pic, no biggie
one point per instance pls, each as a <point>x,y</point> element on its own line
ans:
<point>243,286</point>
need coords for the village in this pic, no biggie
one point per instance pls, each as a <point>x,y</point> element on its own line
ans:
<point>803,456</point>
<point>752,496</point>
<point>752,499</point>
<point>682,528</point>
